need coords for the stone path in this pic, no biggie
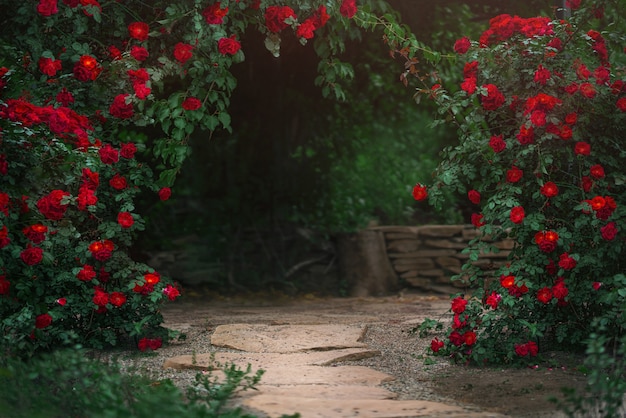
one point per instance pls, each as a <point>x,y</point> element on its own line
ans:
<point>306,372</point>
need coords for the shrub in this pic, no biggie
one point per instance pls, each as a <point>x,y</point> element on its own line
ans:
<point>540,114</point>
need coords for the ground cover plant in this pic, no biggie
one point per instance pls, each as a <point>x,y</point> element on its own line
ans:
<point>541,115</point>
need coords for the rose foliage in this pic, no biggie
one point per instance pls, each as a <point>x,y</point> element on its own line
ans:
<point>541,115</point>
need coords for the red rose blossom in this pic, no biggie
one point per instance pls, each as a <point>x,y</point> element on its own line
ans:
<point>597,171</point>
<point>420,192</point>
<point>493,98</point>
<point>549,189</point>
<point>477,220</point>
<point>86,274</point>
<point>582,148</point>
<point>117,299</point>
<point>214,14</point>
<point>191,103</point>
<point>348,8</point>
<point>275,17</point>
<point>43,321</point>
<point>128,150</point>
<point>171,292</point>
<point>514,174</point>
<point>182,52</point>
<point>5,285</point>
<point>566,262</point>
<point>436,345</point>
<point>31,255</point>
<point>50,205</point>
<point>228,46</point>
<point>139,31</point>
<point>458,305</point>
<point>139,53</point>
<point>125,219</point>
<point>165,193</point>
<point>118,182</point>
<point>497,144</point>
<point>100,297</point>
<point>120,108</point>
<point>108,154</point>
<point>101,250</point>
<point>474,196</point>
<point>493,300</point>
<point>49,66</point>
<point>544,295</point>
<point>517,214</point>
<point>462,45</point>
<point>35,233</point>
<point>608,231</point>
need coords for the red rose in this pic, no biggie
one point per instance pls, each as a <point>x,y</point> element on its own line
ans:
<point>542,75</point>
<point>514,174</point>
<point>50,205</point>
<point>61,301</point>
<point>462,45</point>
<point>43,321</point>
<point>171,292</point>
<point>507,281</point>
<point>469,85</point>
<point>436,345</point>
<point>469,338</point>
<point>47,7</point>
<point>182,52</point>
<point>275,17</point>
<point>5,286</point>
<point>597,171</point>
<point>151,278</point>
<point>497,144</point>
<point>214,14</point>
<point>420,192</point>
<point>473,196</point>
<point>117,299</point>
<point>155,343</point>
<point>4,237</point>
<point>118,182</point>
<point>587,90</point>
<point>493,98</point>
<point>477,220</point>
<point>86,274</point>
<point>143,344</point>
<point>108,154</point>
<point>86,197</point>
<point>566,262</point>
<point>100,297</point>
<point>141,90</point>
<point>517,214</point>
<point>493,300</point>
<point>35,233</point>
<point>101,250</point>
<point>559,290</point>
<point>139,31</point>
<point>609,231</point>
<point>228,46</point>
<point>456,338</point>
<point>128,150</point>
<point>348,8</point>
<point>549,189</point>
<point>525,135</point>
<point>544,295</point>
<point>64,97</point>
<point>621,104</point>
<point>458,305</point>
<point>546,240</point>
<point>49,66</point>
<point>165,193</point>
<point>582,148</point>
<point>120,108</point>
<point>306,29</point>
<point>87,68</point>
<point>31,255</point>
<point>139,53</point>
<point>191,103</point>
<point>125,219</point>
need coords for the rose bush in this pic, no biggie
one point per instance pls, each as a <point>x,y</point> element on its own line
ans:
<point>97,104</point>
<point>540,158</point>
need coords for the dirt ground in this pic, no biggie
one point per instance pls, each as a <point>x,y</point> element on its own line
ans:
<point>392,322</point>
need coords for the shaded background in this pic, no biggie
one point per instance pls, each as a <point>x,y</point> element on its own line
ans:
<point>261,208</point>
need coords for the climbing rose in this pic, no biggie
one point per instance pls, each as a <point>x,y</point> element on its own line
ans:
<point>117,299</point>
<point>214,14</point>
<point>43,321</point>
<point>118,182</point>
<point>151,343</point>
<point>517,214</point>
<point>497,144</point>
<point>544,295</point>
<point>100,297</point>
<point>546,240</point>
<point>182,52</point>
<point>348,8</point>
<point>549,189</point>
<point>31,255</point>
<point>64,97</point>
<point>621,104</point>
<point>87,273</point>
<point>191,103</point>
<point>228,46</point>
<point>50,205</point>
<point>582,148</point>
<point>542,75</point>
<point>125,219</point>
<point>120,109</point>
<point>462,45</point>
<point>61,301</point>
<point>473,196</point>
<point>529,348</point>
<point>139,53</point>
<point>139,31</point>
<point>458,305</point>
<point>477,220</point>
<point>87,68</point>
<point>171,292</point>
<point>493,300</point>
<point>436,345</point>
<point>597,171</point>
<point>609,231</point>
<point>101,250</point>
<point>49,66</point>
<point>165,193</point>
<point>35,233</point>
<point>420,192</point>
<point>493,98</point>
<point>514,174</point>
<point>108,154</point>
<point>275,17</point>
<point>566,262</point>
<point>47,7</point>
<point>128,150</point>
<point>469,338</point>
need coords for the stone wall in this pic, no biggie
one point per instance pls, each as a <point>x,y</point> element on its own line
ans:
<point>426,257</point>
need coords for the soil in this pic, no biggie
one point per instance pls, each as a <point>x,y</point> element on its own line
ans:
<point>392,323</point>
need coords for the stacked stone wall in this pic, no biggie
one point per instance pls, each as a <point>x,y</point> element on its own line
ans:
<point>426,257</point>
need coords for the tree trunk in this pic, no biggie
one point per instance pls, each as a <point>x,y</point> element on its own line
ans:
<point>364,265</point>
